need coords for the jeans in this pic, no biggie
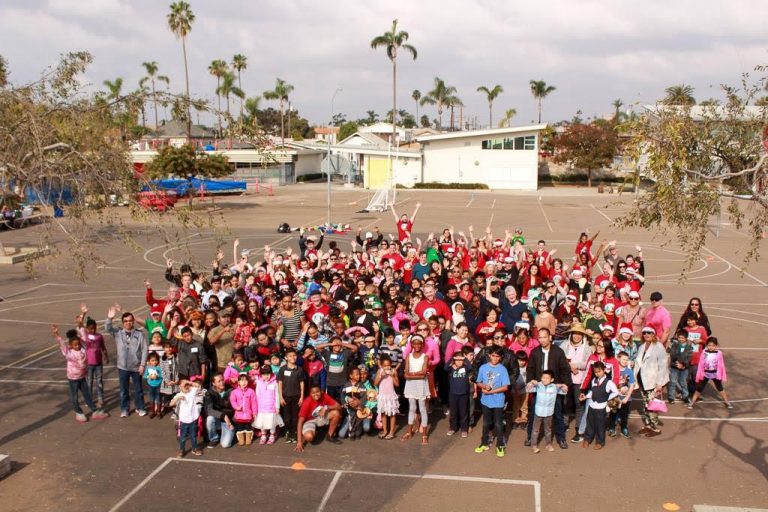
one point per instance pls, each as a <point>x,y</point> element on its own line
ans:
<point>621,416</point>
<point>459,415</point>
<point>188,431</point>
<point>125,377</point>
<point>493,417</point>
<point>344,429</point>
<point>95,376</point>
<point>579,416</point>
<point>82,386</point>
<point>219,432</point>
<point>557,417</point>
<point>678,379</point>
<point>154,394</point>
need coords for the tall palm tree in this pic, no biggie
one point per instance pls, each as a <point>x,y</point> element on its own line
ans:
<point>139,96</point>
<point>393,41</point>
<point>679,95</point>
<point>540,90</point>
<point>152,68</point>
<point>416,96</point>
<point>218,68</point>
<point>280,93</point>
<point>617,104</point>
<point>252,110</point>
<point>507,119</point>
<point>180,21</point>
<point>491,94</point>
<point>441,96</point>
<point>239,63</point>
<point>372,116</point>
<point>114,88</point>
<point>453,102</point>
<point>228,88</point>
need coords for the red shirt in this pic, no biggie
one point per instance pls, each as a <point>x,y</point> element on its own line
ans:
<point>395,260</point>
<point>312,313</point>
<point>426,309</point>
<point>309,405</point>
<point>404,230</point>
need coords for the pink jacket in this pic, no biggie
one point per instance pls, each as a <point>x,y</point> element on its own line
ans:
<point>266,394</point>
<point>77,360</point>
<point>719,372</point>
<point>245,399</point>
<point>431,348</point>
<point>231,374</point>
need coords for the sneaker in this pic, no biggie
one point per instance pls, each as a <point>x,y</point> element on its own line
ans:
<point>288,438</point>
<point>690,405</point>
<point>80,417</point>
<point>464,435</point>
<point>550,448</point>
<point>687,401</point>
<point>100,415</point>
<point>142,413</point>
<point>625,433</point>
<point>563,445</point>
<point>612,433</point>
<point>482,448</point>
<point>576,439</point>
<point>212,444</point>
<point>197,452</point>
<point>335,440</point>
<point>527,442</point>
<point>536,449</point>
<point>450,433</point>
<point>500,451</point>
<point>123,414</point>
<point>671,401</point>
<point>180,455</point>
<point>728,405</point>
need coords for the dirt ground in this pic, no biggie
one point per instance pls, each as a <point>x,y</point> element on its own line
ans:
<point>705,456</point>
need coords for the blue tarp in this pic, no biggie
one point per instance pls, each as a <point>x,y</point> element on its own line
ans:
<point>211,187</point>
<point>49,194</point>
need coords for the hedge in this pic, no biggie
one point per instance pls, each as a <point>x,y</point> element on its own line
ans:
<point>451,186</point>
<point>310,177</point>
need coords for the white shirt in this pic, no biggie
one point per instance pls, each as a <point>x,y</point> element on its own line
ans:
<point>545,363</point>
<point>188,411</point>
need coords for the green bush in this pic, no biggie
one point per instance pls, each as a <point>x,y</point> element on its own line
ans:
<point>313,176</point>
<point>451,186</point>
<point>579,178</point>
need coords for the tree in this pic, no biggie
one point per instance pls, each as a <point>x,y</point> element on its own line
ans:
<point>339,119</point>
<point>347,129</point>
<point>617,104</point>
<point>187,163</point>
<point>587,146</point>
<point>540,90</point>
<point>227,89</point>
<point>114,88</point>
<point>251,110</point>
<point>695,161</point>
<point>679,95</point>
<point>280,93</point>
<point>151,69</point>
<point>709,102</point>
<point>441,96</point>
<point>416,96</point>
<point>180,21</point>
<point>372,117</point>
<point>506,121</point>
<point>452,102</point>
<point>239,63</point>
<point>424,121</point>
<point>218,68</point>
<point>3,72</point>
<point>393,41</point>
<point>490,94</point>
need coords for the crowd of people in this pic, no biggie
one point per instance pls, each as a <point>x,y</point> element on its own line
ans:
<point>386,337</point>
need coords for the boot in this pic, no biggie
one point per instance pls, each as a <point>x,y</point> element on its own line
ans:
<point>241,437</point>
<point>248,437</point>
<point>153,411</point>
<point>161,410</point>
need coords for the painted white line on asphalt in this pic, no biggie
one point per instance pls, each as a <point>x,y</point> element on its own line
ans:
<point>541,207</point>
<point>329,491</point>
<point>713,253</point>
<point>763,419</point>
<point>601,213</point>
<point>144,482</point>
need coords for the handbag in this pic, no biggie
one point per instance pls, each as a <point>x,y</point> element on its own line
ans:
<point>657,405</point>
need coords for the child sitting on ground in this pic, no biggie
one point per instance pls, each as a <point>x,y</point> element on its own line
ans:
<point>544,409</point>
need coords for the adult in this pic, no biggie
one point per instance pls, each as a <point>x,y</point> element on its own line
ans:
<point>634,314</point>
<point>511,308</point>
<point>523,340</point>
<point>318,410</point>
<point>577,352</point>
<point>404,224</point>
<point>652,370</point>
<point>219,414</point>
<point>544,317</point>
<point>548,357</point>
<point>173,296</point>
<point>431,305</point>
<point>222,337</point>
<point>131,360</point>
<point>695,306</point>
<point>487,328</point>
<point>288,321</point>
<point>215,291</point>
<point>658,318</point>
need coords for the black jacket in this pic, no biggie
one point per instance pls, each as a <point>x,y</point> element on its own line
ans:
<point>508,360</point>
<point>217,405</point>
<point>557,364</point>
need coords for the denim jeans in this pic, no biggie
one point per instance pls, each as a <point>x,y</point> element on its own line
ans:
<point>82,386</point>
<point>678,379</point>
<point>493,417</point>
<point>219,432</point>
<point>188,431</point>
<point>154,394</point>
<point>125,377</point>
<point>344,429</point>
<point>557,418</point>
<point>95,376</point>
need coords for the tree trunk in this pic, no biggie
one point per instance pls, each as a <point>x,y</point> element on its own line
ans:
<point>440,118</point>
<point>186,77</point>
<point>154,101</point>
<point>490,114</point>
<point>394,97</point>
<point>218,102</point>
<point>539,110</point>
<point>589,178</point>
<point>240,86</point>
<point>282,122</point>
<point>417,112</point>
<point>451,117</point>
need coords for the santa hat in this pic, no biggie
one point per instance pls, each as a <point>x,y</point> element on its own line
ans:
<point>626,328</point>
<point>498,242</point>
<point>571,296</point>
<point>607,327</point>
<point>156,309</point>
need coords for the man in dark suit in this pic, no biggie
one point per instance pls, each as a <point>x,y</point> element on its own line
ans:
<point>550,357</point>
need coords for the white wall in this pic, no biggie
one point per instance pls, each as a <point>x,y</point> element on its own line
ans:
<point>308,163</point>
<point>463,160</point>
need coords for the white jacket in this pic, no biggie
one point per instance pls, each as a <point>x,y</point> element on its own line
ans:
<point>652,366</point>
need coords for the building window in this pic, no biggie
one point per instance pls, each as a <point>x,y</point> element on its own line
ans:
<point>527,142</point>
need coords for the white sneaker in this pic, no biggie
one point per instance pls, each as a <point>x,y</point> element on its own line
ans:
<point>80,417</point>
<point>141,412</point>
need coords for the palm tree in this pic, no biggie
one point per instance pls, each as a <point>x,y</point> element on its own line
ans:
<point>442,96</point>
<point>115,88</point>
<point>507,120</point>
<point>180,21</point>
<point>617,104</point>
<point>392,41</point>
<point>679,95</point>
<point>452,102</point>
<point>540,90</point>
<point>151,68</point>
<point>218,68</point>
<point>491,94</point>
<point>280,93</point>
<point>239,63</point>
<point>139,96</point>
<point>228,88</point>
<point>372,116</point>
<point>416,96</point>
<point>252,110</point>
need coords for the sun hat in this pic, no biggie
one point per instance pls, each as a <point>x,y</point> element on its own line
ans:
<point>576,327</point>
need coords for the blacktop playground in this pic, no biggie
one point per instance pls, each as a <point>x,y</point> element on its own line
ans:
<point>706,456</point>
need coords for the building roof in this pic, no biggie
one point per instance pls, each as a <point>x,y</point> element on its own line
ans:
<point>380,128</point>
<point>493,132</point>
<point>366,140</point>
<point>175,129</point>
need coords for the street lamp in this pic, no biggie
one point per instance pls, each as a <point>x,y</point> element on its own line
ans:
<point>328,168</point>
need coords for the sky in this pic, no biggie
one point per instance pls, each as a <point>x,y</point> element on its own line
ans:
<point>593,52</point>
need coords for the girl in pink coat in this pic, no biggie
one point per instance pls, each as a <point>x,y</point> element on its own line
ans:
<point>711,367</point>
<point>268,405</point>
<point>243,400</point>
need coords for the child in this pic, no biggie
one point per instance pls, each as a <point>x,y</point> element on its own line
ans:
<point>77,367</point>
<point>469,356</point>
<point>314,368</point>
<point>697,335</point>
<point>156,343</point>
<point>601,389</point>
<point>368,352</point>
<point>291,385</point>
<point>388,401</point>
<point>627,384</point>
<point>391,349</point>
<point>544,409</point>
<point>267,404</point>
<point>680,353</point>
<point>711,367</point>
<point>98,356</point>
<point>243,401</point>
<point>170,373</point>
<point>153,374</point>
<point>338,356</point>
<point>275,363</point>
<point>235,368</point>
<point>188,412</point>
<point>519,393</point>
<point>459,389</point>
<point>493,380</point>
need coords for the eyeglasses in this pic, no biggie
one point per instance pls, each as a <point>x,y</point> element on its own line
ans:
<point>633,298</point>
<point>695,304</point>
<point>542,305</point>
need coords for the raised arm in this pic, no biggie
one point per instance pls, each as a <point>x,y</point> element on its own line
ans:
<point>488,295</point>
<point>415,211</point>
